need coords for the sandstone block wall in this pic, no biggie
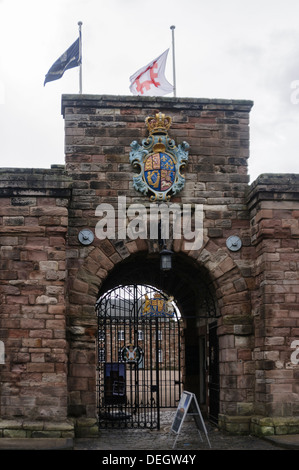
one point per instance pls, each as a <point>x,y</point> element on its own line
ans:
<point>33,228</point>
<point>49,282</point>
<point>99,131</point>
<point>274,202</point>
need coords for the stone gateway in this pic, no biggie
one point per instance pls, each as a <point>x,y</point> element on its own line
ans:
<point>233,339</point>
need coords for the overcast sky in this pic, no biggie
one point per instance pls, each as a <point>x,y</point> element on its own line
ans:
<point>231,49</point>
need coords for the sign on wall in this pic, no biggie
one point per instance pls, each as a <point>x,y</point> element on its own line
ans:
<point>115,383</point>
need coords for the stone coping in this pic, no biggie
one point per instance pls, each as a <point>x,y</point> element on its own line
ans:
<point>52,181</point>
<point>270,181</point>
<point>54,170</point>
<point>273,186</point>
<point>266,182</point>
<point>124,101</point>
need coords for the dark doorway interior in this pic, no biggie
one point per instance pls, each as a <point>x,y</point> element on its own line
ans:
<point>193,293</point>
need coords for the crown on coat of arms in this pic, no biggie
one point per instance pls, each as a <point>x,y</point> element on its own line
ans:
<point>158,160</point>
<point>158,124</point>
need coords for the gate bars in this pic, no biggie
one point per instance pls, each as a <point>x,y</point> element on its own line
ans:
<point>139,357</point>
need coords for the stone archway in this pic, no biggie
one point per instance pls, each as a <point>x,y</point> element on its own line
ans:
<point>211,270</point>
<point>98,273</point>
<point>194,294</point>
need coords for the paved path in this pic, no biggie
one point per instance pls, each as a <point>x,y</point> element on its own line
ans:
<point>162,440</point>
<point>188,439</point>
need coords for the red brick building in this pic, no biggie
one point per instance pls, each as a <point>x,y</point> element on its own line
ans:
<point>239,303</point>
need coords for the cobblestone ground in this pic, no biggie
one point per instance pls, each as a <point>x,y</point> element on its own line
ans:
<point>164,439</point>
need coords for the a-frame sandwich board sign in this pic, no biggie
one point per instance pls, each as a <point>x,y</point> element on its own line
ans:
<point>188,405</point>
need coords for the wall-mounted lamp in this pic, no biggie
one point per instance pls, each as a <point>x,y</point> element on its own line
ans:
<point>166,260</point>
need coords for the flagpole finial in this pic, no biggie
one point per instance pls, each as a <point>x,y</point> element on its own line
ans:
<point>80,23</point>
<point>172,27</point>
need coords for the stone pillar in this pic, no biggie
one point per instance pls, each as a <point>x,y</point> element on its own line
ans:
<point>274,204</point>
<point>33,228</point>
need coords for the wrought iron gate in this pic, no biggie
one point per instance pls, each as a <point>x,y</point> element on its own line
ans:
<point>139,370</point>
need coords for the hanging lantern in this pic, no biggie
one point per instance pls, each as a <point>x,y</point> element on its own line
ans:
<point>166,260</point>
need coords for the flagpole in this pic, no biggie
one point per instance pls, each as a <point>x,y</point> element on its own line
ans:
<point>80,58</point>
<point>173,61</point>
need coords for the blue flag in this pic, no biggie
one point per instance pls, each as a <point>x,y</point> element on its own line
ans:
<point>68,60</point>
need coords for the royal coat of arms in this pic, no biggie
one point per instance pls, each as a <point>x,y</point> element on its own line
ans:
<point>159,161</point>
<point>159,306</point>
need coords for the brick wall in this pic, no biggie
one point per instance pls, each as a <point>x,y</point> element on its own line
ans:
<point>34,219</point>
<point>273,201</point>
